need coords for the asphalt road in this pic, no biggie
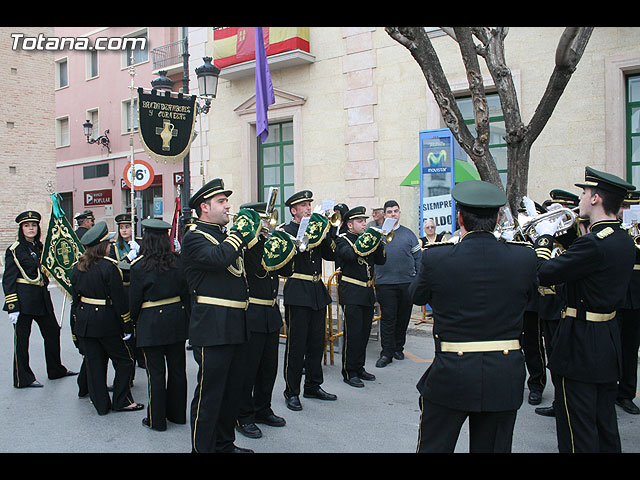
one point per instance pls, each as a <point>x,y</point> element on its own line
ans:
<point>383,417</point>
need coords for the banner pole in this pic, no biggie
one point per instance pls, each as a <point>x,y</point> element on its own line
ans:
<point>132,74</point>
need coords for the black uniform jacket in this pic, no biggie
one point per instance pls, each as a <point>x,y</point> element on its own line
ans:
<point>632,299</point>
<point>478,289</point>
<point>596,270</point>
<point>263,287</point>
<point>214,267</point>
<point>102,282</point>
<point>306,293</point>
<point>359,268</point>
<point>24,284</point>
<point>161,324</point>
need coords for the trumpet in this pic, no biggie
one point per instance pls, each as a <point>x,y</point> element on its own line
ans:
<point>567,216</point>
<point>270,218</point>
<point>386,237</point>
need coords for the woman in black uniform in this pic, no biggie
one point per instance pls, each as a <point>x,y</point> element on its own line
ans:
<point>159,305</point>
<point>27,299</point>
<point>101,322</point>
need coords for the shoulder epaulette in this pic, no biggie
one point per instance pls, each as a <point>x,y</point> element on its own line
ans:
<point>605,232</point>
<point>14,245</point>
<point>112,260</point>
<point>136,259</point>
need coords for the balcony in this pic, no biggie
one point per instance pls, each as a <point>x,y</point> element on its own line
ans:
<point>168,57</point>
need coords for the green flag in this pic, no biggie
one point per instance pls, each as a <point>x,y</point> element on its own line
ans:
<point>61,247</point>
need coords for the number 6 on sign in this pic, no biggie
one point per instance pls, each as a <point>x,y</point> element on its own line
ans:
<point>143,175</point>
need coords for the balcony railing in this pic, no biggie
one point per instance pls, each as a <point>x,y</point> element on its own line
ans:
<point>167,55</point>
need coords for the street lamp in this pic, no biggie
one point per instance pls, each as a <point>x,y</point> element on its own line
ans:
<point>102,140</point>
<point>162,83</point>
<point>207,82</point>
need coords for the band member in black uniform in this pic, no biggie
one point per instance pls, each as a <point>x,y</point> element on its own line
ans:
<point>357,251</point>
<point>264,322</point>
<point>478,289</point>
<point>306,298</point>
<point>101,322</point>
<point>27,299</point>
<point>585,360</point>
<point>85,221</point>
<point>125,249</point>
<point>629,318</point>
<point>159,303</point>
<point>213,261</point>
<point>553,298</point>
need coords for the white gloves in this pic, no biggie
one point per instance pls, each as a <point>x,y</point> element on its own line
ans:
<point>548,227</point>
<point>13,316</point>
<point>126,337</point>
<point>135,248</point>
<point>507,235</point>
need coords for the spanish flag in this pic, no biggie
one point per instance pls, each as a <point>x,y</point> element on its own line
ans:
<point>232,45</point>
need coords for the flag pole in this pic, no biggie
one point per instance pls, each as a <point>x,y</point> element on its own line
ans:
<point>132,174</point>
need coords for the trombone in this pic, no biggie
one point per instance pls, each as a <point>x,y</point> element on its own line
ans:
<point>334,216</point>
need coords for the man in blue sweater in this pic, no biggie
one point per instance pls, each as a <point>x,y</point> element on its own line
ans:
<point>392,287</point>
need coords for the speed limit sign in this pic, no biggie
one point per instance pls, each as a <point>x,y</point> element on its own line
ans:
<point>143,176</point>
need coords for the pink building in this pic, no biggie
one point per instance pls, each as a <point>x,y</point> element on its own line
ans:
<point>94,84</point>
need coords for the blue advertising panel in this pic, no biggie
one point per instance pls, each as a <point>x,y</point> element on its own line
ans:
<point>437,178</point>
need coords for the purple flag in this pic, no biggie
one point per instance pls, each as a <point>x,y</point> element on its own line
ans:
<point>264,88</point>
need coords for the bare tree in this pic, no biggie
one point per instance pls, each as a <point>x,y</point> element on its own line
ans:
<point>490,46</point>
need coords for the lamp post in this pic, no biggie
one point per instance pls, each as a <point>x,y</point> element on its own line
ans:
<point>208,75</point>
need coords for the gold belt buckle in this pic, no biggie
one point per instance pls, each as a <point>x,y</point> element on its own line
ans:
<point>316,277</point>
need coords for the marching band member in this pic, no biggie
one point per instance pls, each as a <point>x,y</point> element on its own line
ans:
<point>264,263</point>
<point>214,267</point>
<point>101,322</point>
<point>27,298</point>
<point>306,298</point>
<point>159,304</point>
<point>478,289</point>
<point>357,250</point>
<point>585,360</point>
<point>629,318</point>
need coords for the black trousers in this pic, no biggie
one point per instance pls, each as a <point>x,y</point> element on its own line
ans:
<point>489,432</point>
<point>630,331</point>
<point>534,352</point>
<point>97,353</point>
<point>261,368</point>
<point>50,330</point>
<point>304,348</point>
<point>214,407</point>
<point>166,367</point>
<point>395,313</point>
<point>357,328</point>
<point>586,419</point>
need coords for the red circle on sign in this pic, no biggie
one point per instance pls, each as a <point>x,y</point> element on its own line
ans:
<point>143,177</point>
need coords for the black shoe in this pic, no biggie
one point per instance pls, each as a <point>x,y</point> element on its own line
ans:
<point>354,382</point>
<point>130,408</point>
<point>293,403</point>
<point>535,398</point>
<point>546,411</point>
<point>628,406</point>
<point>320,394</point>
<point>364,375</point>
<point>249,430</point>
<point>145,422</point>
<point>272,420</point>
<point>398,355</point>
<point>383,361</point>
<point>236,449</point>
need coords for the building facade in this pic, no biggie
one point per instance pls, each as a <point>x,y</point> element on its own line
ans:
<point>27,140</point>
<point>350,108</point>
<point>96,85</point>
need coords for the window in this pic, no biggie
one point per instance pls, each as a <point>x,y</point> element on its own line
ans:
<point>126,115</point>
<point>92,64</point>
<point>633,129</point>
<point>92,116</point>
<point>62,132</point>
<point>95,171</point>
<point>497,130</point>
<point>135,53</point>
<point>62,73</point>
<point>275,166</point>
